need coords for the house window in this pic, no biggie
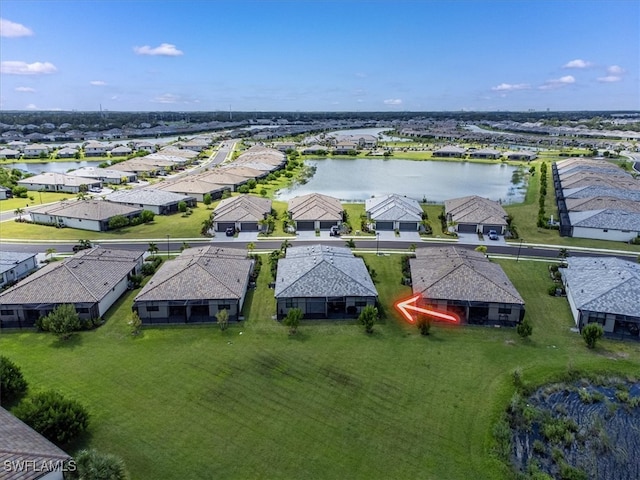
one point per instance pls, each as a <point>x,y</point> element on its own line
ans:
<point>361,303</point>
<point>82,310</point>
<point>6,312</point>
<point>224,306</point>
<point>153,308</point>
<point>504,309</point>
<point>291,303</point>
<point>605,230</point>
<point>598,317</point>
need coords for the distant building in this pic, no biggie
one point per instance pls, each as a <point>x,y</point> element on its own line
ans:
<point>15,265</point>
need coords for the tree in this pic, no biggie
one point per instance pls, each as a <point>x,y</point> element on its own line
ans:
<point>591,333</point>
<point>118,221</point>
<point>207,225</point>
<point>135,323</point>
<point>182,206</point>
<point>223,319</point>
<point>62,321</point>
<point>18,212</point>
<point>251,247</point>
<point>424,325</point>
<point>81,196</point>
<point>563,254</point>
<point>49,252</point>
<point>95,465</point>
<point>368,317</point>
<point>184,246</point>
<point>147,216</point>
<point>292,320</point>
<point>153,249</point>
<point>206,199</point>
<point>524,328</point>
<point>12,383</point>
<point>56,418</point>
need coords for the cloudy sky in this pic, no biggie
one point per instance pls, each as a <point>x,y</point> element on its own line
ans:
<point>313,55</point>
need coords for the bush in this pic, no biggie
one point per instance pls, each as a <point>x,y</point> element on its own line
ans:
<point>524,328</point>
<point>62,321</point>
<point>591,333</point>
<point>12,383</point>
<point>53,416</point>
<point>147,216</point>
<point>292,320</point>
<point>368,317</point>
<point>147,269</point>
<point>94,465</point>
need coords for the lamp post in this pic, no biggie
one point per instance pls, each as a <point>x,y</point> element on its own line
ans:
<point>519,247</point>
<point>168,246</point>
<point>377,243</point>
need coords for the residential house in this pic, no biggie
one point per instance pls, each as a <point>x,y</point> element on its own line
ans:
<point>91,280</point>
<point>27,455</point>
<point>5,193</point>
<point>605,224</point>
<point>345,147</point>
<point>144,145</point>
<point>67,152</point>
<point>605,290</point>
<point>486,153</point>
<point>242,213</point>
<point>105,175</point>
<point>36,151</point>
<point>195,286</point>
<point>59,182</point>
<point>474,214</point>
<point>315,150</point>
<point>10,154</point>
<point>196,186</point>
<point>324,282</point>
<point>95,149</point>
<point>285,146</point>
<point>394,212</point>
<point>160,202</point>
<point>450,151</point>
<point>15,265</point>
<point>521,155</point>
<point>315,212</point>
<point>120,151</point>
<point>466,283</point>
<point>91,215</point>
<point>143,167</point>
<point>195,144</point>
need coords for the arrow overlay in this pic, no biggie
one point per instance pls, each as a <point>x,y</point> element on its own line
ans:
<point>407,307</point>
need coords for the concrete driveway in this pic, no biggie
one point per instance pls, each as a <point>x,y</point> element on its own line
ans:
<point>472,239</point>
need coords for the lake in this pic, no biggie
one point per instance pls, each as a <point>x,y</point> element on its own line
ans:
<point>57,167</point>
<point>355,180</point>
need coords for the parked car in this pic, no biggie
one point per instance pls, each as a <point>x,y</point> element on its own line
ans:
<point>83,245</point>
<point>493,235</point>
<point>335,231</point>
<point>95,189</point>
<point>230,231</point>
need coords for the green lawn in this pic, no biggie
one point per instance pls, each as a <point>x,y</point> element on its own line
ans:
<point>252,402</point>
<point>39,198</point>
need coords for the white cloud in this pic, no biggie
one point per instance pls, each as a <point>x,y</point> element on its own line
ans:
<point>558,83</point>
<point>577,63</point>
<point>165,49</point>
<point>166,98</point>
<point>615,70</point>
<point>609,79</point>
<point>31,106</point>
<point>25,89</point>
<point>510,87</point>
<point>97,83</point>
<point>24,68</point>
<point>12,30</point>
<point>393,101</point>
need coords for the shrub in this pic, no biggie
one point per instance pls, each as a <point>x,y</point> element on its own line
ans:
<point>97,466</point>
<point>135,323</point>
<point>12,383</point>
<point>147,269</point>
<point>424,325</point>
<point>147,216</point>
<point>591,333</point>
<point>53,416</point>
<point>62,321</point>
<point>292,320</point>
<point>368,317</point>
<point>223,319</point>
<point>524,328</point>
<point>182,206</point>
<point>118,221</point>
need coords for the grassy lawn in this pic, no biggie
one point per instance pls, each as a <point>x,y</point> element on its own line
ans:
<point>39,198</point>
<point>253,402</point>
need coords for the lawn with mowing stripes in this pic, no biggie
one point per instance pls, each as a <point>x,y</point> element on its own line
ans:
<point>330,402</point>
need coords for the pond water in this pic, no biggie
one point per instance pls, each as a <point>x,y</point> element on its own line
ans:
<point>56,167</point>
<point>356,180</point>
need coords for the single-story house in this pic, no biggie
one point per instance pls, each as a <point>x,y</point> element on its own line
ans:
<point>522,155</point>
<point>142,166</point>
<point>605,224</point>
<point>245,171</point>
<point>450,151</point>
<point>15,265</point>
<point>95,149</point>
<point>144,145</point>
<point>394,212</point>
<point>315,150</point>
<point>195,144</point>
<point>91,280</point>
<point>466,283</point>
<point>8,153</point>
<point>242,213</point>
<point>324,282</point>
<point>105,175</point>
<point>36,150</point>
<point>487,153</point>
<point>27,455</point>
<point>5,193</point>
<point>120,151</point>
<point>264,155</point>
<point>285,146</point>
<point>91,215</point>
<point>605,290</point>
<point>67,152</point>
<point>315,212</point>
<point>160,202</point>
<point>58,182</point>
<point>598,191</point>
<point>195,286</point>
<point>473,214</point>
<point>196,186</point>
<point>601,203</point>
<point>345,147</point>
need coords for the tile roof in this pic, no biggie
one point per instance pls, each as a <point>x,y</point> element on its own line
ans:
<point>315,206</point>
<point>9,260</point>
<point>86,209</point>
<point>393,207</point>
<point>606,219</point>
<point>602,191</point>
<point>261,154</point>
<point>475,210</point>
<point>202,273</point>
<point>19,442</point>
<point>86,277</point>
<point>147,196</point>
<point>243,208</point>
<point>321,271</point>
<point>601,203</point>
<point>52,178</point>
<point>459,274</point>
<point>198,184</point>
<point>604,284</point>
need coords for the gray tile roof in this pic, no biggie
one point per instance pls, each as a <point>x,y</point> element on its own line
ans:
<point>459,274</point>
<point>315,206</point>
<point>203,273</point>
<point>601,203</point>
<point>87,209</point>
<point>52,178</point>
<point>606,219</point>
<point>475,210</point>
<point>243,208</point>
<point>393,208</point>
<point>604,284</point>
<point>86,277</point>
<point>601,191</point>
<point>317,271</point>
<point>147,196</point>
<point>196,184</point>
<point>19,442</point>
<point>9,260</point>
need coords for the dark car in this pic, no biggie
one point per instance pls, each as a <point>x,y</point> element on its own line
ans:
<point>493,235</point>
<point>230,231</point>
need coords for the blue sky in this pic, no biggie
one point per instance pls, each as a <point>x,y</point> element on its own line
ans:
<point>306,55</point>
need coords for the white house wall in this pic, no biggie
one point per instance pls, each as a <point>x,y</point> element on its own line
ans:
<point>602,234</point>
<point>93,225</point>
<point>115,293</point>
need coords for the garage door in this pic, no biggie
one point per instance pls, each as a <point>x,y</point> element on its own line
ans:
<point>222,226</point>
<point>384,225</point>
<point>466,228</point>
<point>408,227</point>
<point>249,226</point>
<point>327,225</point>
<point>486,228</point>
<point>305,225</point>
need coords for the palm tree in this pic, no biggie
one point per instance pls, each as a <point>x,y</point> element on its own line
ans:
<point>49,252</point>
<point>184,246</point>
<point>18,212</point>
<point>207,225</point>
<point>251,247</point>
<point>153,249</point>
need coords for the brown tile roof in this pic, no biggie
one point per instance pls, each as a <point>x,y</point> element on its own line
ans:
<point>474,210</point>
<point>315,206</point>
<point>243,208</point>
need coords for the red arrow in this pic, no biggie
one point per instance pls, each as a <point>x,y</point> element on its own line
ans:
<point>405,307</point>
